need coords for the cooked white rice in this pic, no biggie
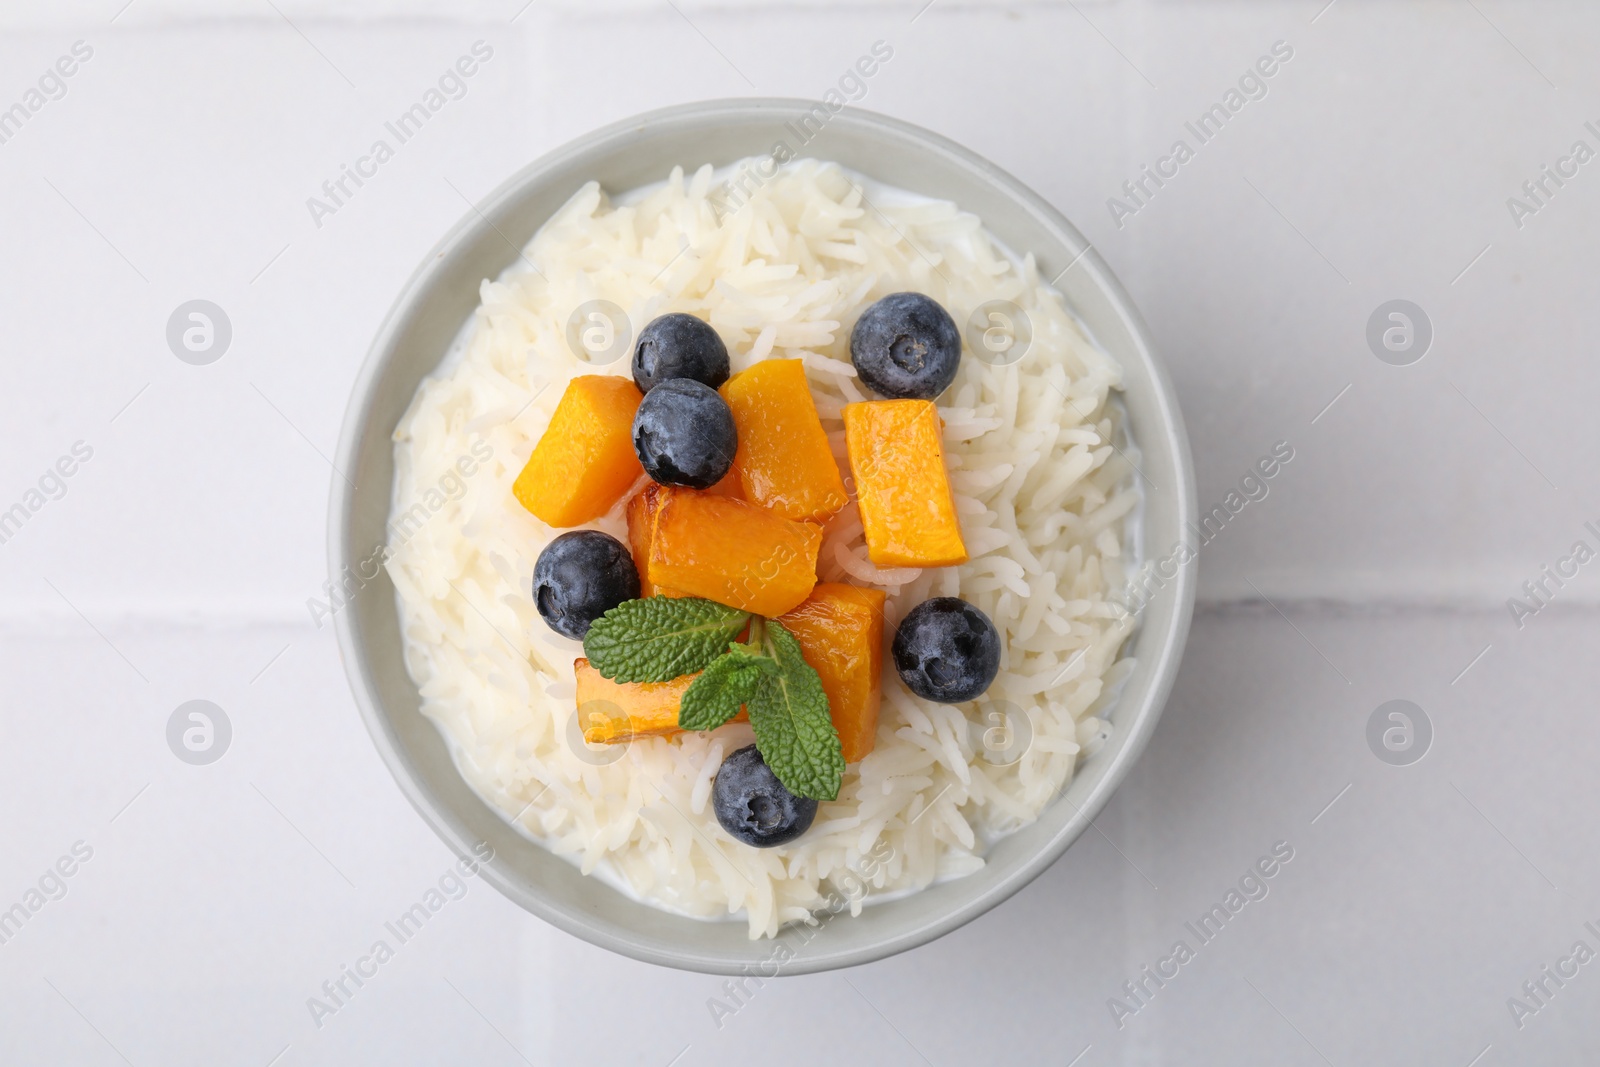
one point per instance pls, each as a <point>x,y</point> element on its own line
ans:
<point>1042,493</point>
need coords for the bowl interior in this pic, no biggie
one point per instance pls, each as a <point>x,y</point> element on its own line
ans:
<point>429,314</point>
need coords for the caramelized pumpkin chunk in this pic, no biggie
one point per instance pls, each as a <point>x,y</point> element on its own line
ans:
<point>784,461</point>
<point>585,460</point>
<point>610,712</point>
<point>642,512</point>
<point>730,484</point>
<point>615,711</point>
<point>733,552</point>
<point>840,630</point>
<point>902,486</point>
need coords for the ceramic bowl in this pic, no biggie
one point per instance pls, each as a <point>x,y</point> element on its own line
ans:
<point>432,309</point>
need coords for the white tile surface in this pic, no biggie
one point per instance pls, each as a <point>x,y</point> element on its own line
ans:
<point>178,562</point>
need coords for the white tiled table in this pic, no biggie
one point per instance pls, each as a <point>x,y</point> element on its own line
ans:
<point>178,561</point>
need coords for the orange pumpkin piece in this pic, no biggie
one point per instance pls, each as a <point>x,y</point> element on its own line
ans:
<point>609,711</point>
<point>840,630</point>
<point>641,528</point>
<point>585,460</point>
<point>783,461</point>
<point>642,511</point>
<point>733,552</point>
<point>902,486</point>
<point>616,711</point>
<point>730,484</point>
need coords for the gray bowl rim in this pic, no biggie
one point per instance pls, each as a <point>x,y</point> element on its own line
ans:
<point>1164,646</point>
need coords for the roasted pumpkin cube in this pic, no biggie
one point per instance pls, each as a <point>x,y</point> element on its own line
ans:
<point>730,485</point>
<point>733,552</point>
<point>784,462</point>
<point>585,460</point>
<point>620,711</point>
<point>609,711</point>
<point>642,511</point>
<point>902,486</point>
<point>840,630</point>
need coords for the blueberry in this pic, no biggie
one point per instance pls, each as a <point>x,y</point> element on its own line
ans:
<point>906,347</point>
<point>753,806</point>
<point>580,576</point>
<point>946,650</point>
<point>679,346</point>
<point>684,435</point>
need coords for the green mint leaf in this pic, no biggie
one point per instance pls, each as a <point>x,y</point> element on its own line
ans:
<point>714,697</point>
<point>660,638</point>
<point>789,712</point>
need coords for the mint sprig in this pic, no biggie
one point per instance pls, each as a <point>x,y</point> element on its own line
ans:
<point>726,683</point>
<point>660,638</point>
<point>789,712</point>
